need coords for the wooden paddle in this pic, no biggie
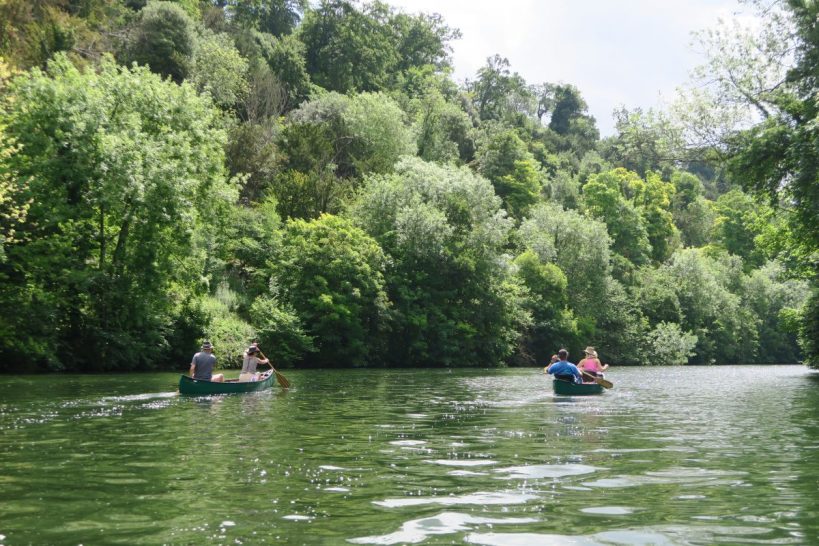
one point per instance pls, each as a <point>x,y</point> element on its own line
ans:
<point>605,383</point>
<point>283,382</point>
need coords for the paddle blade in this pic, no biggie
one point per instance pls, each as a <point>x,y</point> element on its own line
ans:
<point>604,382</point>
<point>283,382</point>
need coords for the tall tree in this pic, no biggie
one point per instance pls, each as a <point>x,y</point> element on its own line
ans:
<point>164,39</point>
<point>123,167</point>
<point>773,72</point>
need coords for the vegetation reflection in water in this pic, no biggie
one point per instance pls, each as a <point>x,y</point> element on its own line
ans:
<point>669,456</point>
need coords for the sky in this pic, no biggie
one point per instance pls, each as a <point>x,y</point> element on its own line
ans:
<point>632,53</point>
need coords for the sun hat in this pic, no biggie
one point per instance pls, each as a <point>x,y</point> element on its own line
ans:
<point>207,345</point>
<point>253,349</point>
<point>590,351</point>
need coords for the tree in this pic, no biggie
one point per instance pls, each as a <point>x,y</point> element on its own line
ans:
<point>13,206</point>
<point>123,167</point>
<point>604,200</point>
<point>442,228</point>
<point>772,72</point>
<point>739,220</point>
<point>668,344</point>
<point>349,49</point>
<point>332,274</point>
<point>692,212</point>
<point>330,143</point>
<point>218,69</point>
<point>277,17</point>
<point>506,162</point>
<point>285,59</point>
<point>553,324</point>
<point>578,245</point>
<point>443,129</point>
<point>727,332</point>
<point>776,301</point>
<point>646,141</point>
<point>499,94</point>
<point>164,39</point>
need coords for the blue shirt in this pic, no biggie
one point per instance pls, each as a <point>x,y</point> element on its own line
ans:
<point>563,367</point>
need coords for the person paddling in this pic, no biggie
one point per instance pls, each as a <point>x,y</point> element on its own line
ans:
<point>249,362</point>
<point>591,365</point>
<point>565,370</point>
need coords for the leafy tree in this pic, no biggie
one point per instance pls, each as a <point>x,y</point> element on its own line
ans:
<point>653,200</point>
<point>277,17</point>
<point>279,327</point>
<point>164,39</point>
<point>123,167</point>
<point>13,206</point>
<point>330,143</point>
<point>218,69</point>
<point>499,94</point>
<point>285,59</point>
<point>646,141</point>
<point>444,233</point>
<point>692,213</point>
<point>776,301</point>
<point>668,344</point>
<point>564,189</point>
<point>727,332</point>
<point>553,324</point>
<point>349,49</point>
<point>443,129</point>
<point>772,72</point>
<point>603,199</point>
<point>578,245</point>
<point>739,220</point>
<point>332,274</point>
<point>253,156</point>
<point>506,162</point>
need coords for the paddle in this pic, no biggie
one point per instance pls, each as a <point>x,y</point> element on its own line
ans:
<point>283,382</point>
<point>605,383</point>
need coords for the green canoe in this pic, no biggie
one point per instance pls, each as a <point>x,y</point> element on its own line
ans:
<point>198,387</point>
<point>564,387</point>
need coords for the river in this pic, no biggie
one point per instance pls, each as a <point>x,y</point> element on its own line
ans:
<point>693,455</point>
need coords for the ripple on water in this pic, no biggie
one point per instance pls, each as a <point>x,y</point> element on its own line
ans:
<point>608,510</point>
<point>465,473</point>
<point>536,471</point>
<point>482,498</point>
<point>461,462</point>
<point>408,443</point>
<point>687,476</point>
<point>418,530</point>
<point>654,536</point>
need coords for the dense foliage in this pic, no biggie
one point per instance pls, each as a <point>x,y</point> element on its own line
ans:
<point>309,175</point>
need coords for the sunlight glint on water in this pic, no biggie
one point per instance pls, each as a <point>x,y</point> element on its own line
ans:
<point>669,456</point>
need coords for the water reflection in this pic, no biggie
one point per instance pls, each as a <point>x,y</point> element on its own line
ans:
<point>390,457</point>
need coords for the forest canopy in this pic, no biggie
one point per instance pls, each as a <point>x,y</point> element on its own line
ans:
<point>311,176</point>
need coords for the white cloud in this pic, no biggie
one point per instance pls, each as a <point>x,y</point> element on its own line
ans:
<point>628,52</point>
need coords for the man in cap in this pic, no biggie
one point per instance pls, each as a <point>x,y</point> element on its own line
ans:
<point>565,370</point>
<point>202,364</point>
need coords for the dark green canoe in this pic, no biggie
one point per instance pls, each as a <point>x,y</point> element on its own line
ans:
<point>564,387</point>
<point>198,387</point>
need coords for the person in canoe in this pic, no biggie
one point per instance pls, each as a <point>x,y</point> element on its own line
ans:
<point>202,365</point>
<point>590,365</point>
<point>565,370</point>
<point>249,362</point>
<point>554,359</point>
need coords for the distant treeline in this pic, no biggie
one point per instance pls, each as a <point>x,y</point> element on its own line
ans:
<point>312,177</point>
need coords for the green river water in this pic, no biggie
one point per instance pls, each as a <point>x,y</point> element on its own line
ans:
<point>694,455</point>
